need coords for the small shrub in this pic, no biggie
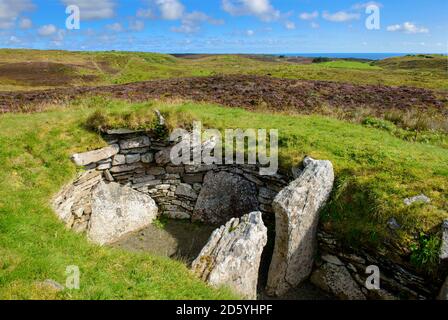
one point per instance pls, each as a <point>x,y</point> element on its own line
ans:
<point>425,252</point>
<point>97,121</point>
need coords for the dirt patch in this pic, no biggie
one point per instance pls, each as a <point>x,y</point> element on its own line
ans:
<point>250,92</point>
<point>41,73</point>
<point>176,239</point>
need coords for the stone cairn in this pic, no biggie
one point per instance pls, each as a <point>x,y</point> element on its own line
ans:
<point>136,166</point>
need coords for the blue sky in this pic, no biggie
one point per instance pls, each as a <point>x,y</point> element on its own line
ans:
<point>226,26</point>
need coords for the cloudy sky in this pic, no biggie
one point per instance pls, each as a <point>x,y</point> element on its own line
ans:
<point>226,26</point>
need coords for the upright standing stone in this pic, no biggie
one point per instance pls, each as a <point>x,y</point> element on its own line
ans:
<point>296,210</point>
<point>232,255</point>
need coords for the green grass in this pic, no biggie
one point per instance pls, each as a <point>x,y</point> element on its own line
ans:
<point>345,64</point>
<point>35,246</point>
<point>375,171</point>
<point>124,67</point>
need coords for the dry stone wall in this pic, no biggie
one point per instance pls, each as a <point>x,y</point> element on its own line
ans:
<point>141,161</point>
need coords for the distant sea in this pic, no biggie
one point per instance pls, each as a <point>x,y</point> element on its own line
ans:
<point>370,56</point>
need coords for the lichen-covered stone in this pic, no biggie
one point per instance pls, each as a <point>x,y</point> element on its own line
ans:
<point>117,210</point>
<point>224,196</point>
<point>337,280</point>
<point>232,255</point>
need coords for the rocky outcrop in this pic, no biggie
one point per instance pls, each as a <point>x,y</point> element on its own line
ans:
<point>224,196</point>
<point>297,215</point>
<point>117,210</point>
<point>86,158</point>
<point>335,278</point>
<point>232,255</point>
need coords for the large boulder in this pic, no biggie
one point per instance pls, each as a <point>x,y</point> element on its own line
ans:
<point>337,280</point>
<point>86,158</point>
<point>296,210</point>
<point>224,196</point>
<point>232,255</point>
<point>118,210</point>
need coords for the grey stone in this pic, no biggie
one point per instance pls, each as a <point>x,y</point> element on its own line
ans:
<point>443,295</point>
<point>147,157</point>
<point>163,156</point>
<point>87,158</point>
<point>108,176</point>
<point>104,166</point>
<point>296,210</point>
<point>393,224</point>
<point>185,190</point>
<point>51,284</point>
<point>420,198</point>
<point>332,259</point>
<point>132,158</point>
<point>193,178</point>
<point>224,196</point>
<point>173,169</point>
<point>125,168</point>
<point>119,160</point>
<point>121,131</point>
<point>155,171</point>
<point>337,281</point>
<point>232,255</point>
<point>118,210</point>
<point>138,142</point>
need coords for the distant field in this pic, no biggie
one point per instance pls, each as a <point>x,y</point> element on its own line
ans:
<point>32,69</point>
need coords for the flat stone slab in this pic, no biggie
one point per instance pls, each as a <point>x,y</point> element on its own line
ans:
<point>86,158</point>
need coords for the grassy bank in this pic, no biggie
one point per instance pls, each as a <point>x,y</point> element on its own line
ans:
<point>35,246</point>
<point>375,171</point>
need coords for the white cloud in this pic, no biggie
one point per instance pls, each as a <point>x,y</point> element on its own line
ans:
<point>170,9</point>
<point>136,25</point>
<point>191,22</point>
<point>315,25</point>
<point>25,23</point>
<point>116,27</point>
<point>290,25</point>
<point>364,5</point>
<point>93,9</point>
<point>309,15</point>
<point>47,30</point>
<point>14,40</point>
<point>340,16</point>
<point>10,10</point>
<point>259,8</point>
<point>250,33</point>
<point>145,13</point>
<point>407,27</point>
